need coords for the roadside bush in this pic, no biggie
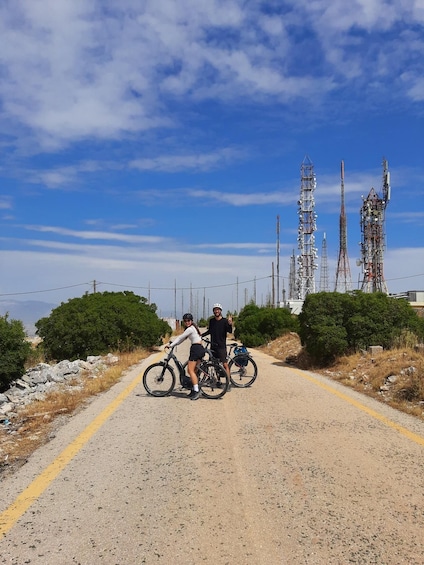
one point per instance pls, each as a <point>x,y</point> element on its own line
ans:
<point>334,324</point>
<point>98,323</point>
<point>258,325</point>
<point>14,351</point>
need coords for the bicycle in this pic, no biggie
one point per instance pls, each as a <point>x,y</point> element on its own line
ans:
<point>159,379</point>
<point>243,369</point>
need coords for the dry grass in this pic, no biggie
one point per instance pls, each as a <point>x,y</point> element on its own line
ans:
<point>395,377</point>
<point>36,423</point>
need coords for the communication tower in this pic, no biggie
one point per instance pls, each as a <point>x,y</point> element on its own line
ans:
<point>307,258</point>
<point>343,276</point>
<point>373,237</point>
<point>292,278</point>
<point>323,280</point>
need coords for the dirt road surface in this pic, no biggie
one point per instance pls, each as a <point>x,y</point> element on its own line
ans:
<point>294,470</point>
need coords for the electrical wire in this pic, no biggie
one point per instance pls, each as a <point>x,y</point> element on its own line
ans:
<point>166,288</point>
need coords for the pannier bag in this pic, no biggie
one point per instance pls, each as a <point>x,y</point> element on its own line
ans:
<point>241,356</point>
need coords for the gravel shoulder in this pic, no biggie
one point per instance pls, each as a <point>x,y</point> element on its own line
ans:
<point>294,470</point>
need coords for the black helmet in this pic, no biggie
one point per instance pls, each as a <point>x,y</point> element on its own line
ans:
<point>188,317</point>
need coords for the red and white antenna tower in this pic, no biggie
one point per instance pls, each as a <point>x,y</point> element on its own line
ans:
<point>343,276</point>
<point>307,258</point>
<point>373,237</point>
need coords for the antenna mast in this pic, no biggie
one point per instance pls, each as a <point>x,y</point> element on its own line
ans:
<point>372,215</point>
<point>343,276</point>
<point>292,278</point>
<point>323,281</point>
<point>307,258</point>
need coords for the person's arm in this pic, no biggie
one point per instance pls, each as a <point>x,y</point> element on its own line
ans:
<point>230,324</point>
<point>207,332</point>
<point>179,339</point>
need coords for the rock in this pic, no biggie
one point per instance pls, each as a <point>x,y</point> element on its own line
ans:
<point>375,349</point>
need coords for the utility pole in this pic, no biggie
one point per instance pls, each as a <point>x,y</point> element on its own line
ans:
<point>175,298</point>
<point>278,261</point>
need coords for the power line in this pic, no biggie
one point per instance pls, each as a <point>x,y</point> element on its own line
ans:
<point>174,288</point>
<point>186,287</point>
<point>48,290</point>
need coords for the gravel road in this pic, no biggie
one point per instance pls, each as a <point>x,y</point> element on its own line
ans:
<point>294,470</point>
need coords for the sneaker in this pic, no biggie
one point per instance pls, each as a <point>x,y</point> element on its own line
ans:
<point>196,395</point>
<point>191,393</point>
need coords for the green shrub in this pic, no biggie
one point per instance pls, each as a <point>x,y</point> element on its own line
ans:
<point>14,351</point>
<point>258,325</point>
<point>334,324</point>
<point>98,323</point>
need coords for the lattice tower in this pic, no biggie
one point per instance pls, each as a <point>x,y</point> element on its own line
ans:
<point>307,258</point>
<point>372,215</point>
<point>292,278</point>
<point>343,276</point>
<point>323,280</point>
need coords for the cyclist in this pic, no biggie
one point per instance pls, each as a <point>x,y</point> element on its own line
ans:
<point>197,351</point>
<point>218,328</point>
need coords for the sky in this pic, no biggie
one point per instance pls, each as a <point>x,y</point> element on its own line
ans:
<point>150,145</point>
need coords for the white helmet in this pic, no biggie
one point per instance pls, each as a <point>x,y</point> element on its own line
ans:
<point>217,305</point>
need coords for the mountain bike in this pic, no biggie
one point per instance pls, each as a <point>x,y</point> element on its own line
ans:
<point>243,369</point>
<point>159,379</point>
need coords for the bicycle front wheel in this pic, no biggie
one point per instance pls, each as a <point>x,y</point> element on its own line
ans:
<point>243,371</point>
<point>159,379</point>
<point>213,379</point>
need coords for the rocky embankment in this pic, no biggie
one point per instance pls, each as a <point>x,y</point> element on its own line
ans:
<point>42,379</point>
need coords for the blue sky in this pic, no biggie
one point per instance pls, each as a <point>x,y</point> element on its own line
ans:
<point>150,145</point>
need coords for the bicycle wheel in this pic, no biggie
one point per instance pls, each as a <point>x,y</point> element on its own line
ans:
<point>213,379</point>
<point>243,370</point>
<point>159,379</point>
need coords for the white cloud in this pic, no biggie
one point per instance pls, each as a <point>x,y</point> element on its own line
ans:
<point>5,203</point>
<point>89,235</point>
<point>174,163</point>
<point>244,199</point>
<point>83,70</point>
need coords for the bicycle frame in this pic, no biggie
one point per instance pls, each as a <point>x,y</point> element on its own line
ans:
<point>180,367</point>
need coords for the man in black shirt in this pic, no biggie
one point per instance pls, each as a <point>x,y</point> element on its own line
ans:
<point>218,328</point>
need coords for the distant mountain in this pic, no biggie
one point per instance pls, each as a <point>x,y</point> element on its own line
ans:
<point>27,311</point>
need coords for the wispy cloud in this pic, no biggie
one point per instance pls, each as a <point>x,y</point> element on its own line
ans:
<point>240,199</point>
<point>97,235</point>
<point>5,203</point>
<point>199,161</point>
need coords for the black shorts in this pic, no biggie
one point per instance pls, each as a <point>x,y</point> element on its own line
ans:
<point>197,351</point>
<point>220,354</point>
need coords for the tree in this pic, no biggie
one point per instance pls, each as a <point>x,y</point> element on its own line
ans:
<point>14,351</point>
<point>98,323</point>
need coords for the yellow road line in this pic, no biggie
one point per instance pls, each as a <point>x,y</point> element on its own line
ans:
<point>404,431</point>
<point>12,514</point>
